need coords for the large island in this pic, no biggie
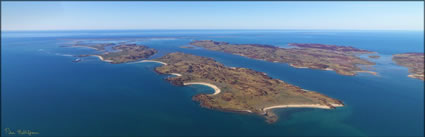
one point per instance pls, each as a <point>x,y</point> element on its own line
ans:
<point>121,53</point>
<point>239,89</point>
<point>413,61</point>
<point>341,59</point>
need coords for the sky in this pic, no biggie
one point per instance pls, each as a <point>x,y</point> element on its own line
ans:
<point>212,15</point>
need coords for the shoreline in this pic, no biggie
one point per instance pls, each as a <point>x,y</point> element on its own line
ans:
<point>152,61</point>
<point>216,89</point>
<point>302,106</point>
<point>297,66</point>
<point>416,76</point>
<point>365,71</point>
<point>101,58</point>
<point>176,74</point>
<point>85,47</point>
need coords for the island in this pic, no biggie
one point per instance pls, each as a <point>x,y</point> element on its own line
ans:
<point>121,53</point>
<point>374,56</point>
<point>99,47</point>
<point>341,59</point>
<point>413,61</point>
<point>238,89</point>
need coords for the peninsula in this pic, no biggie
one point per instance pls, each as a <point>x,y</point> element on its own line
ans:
<point>413,61</point>
<point>341,59</point>
<point>122,53</point>
<point>239,89</point>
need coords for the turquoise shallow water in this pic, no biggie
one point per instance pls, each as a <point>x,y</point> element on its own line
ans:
<point>43,91</point>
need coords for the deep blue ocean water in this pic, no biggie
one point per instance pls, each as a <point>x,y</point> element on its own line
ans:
<point>44,91</point>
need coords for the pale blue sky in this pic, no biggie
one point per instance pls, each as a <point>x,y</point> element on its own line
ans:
<point>212,15</point>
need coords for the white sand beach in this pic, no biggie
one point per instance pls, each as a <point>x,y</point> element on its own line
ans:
<point>152,61</point>
<point>101,58</point>
<point>302,106</point>
<point>296,66</point>
<point>216,89</point>
<point>176,74</point>
<point>328,69</point>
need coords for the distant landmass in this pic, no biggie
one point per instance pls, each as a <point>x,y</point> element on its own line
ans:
<point>122,53</point>
<point>340,59</point>
<point>239,89</point>
<point>413,61</point>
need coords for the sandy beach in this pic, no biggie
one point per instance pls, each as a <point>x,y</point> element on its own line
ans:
<point>328,69</point>
<point>216,89</point>
<point>176,74</point>
<point>302,106</point>
<point>296,66</point>
<point>153,61</point>
<point>101,58</point>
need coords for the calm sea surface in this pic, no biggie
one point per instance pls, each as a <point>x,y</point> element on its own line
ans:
<point>42,90</point>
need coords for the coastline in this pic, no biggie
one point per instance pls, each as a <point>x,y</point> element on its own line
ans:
<point>364,71</point>
<point>292,65</point>
<point>176,74</point>
<point>416,76</point>
<point>101,58</point>
<point>85,47</point>
<point>303,106</point>
<point>152,61</point>
<point>216,89</point>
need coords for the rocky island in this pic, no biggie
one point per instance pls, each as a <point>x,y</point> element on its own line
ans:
<point>239,89</point>
<point>413,61</point>
<point>122,53</point>
<point>374,56</point>
<point>341,59</point>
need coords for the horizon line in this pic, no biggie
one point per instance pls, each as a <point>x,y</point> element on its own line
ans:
<point>212,29</point>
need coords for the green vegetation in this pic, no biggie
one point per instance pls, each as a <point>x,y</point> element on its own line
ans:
<point>413,61</point>
<point>242,89</point>
<point>341,59</point>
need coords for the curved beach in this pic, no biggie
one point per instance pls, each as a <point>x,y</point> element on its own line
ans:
<point>176,74</point>
<point>153,61</point>
<point>303,106</point>
<point>101,58</point>
<point>216,89</point>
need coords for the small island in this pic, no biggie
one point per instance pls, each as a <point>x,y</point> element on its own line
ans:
<point>413,61</point>
<point>341,59</point>
<point>122,53</point>
<point>239,89</point>
<point>374,56</point>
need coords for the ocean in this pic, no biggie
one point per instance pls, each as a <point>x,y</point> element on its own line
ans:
<point>42,90</point>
